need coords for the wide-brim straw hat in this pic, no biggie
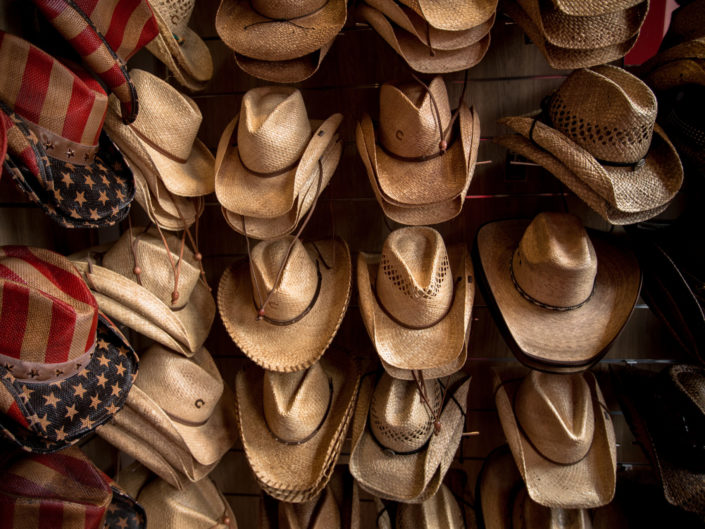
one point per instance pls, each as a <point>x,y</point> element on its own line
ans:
<point>440,510</point>
<point>587,483</point>
<point>295,346</point>
<point>243,192</point>
<point>254,35</point>
<point>186,56</point>
<point>286,72</point>
<point>424,214</point>
<point>557,339</point>
<point>452,15</point>
<point>562,58</point>
<point>679,65</point>
<point>273,228</point>
<point>409,478</point>
<point>417,54</point>
<point>591,9</point>
<point>296,472</point>
<point>428,374</point>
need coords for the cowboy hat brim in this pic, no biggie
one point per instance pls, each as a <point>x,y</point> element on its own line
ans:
<point>298,345</point>
<point>288,72</point>
<point>453,15</point>
<point>428,374</point>
<point>586,484</point>
<point>588,9</point>
<point>418,349</point>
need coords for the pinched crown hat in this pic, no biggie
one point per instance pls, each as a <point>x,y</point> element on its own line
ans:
<point>105,33</point>
<point>403,445</point>
<point>418,158</point>
<point>179,47</point>
<point>682,64</point>
<point>262,168</point>
<point>293,424</point>
<point>440,510</point>
<point>601,125</point>
<point>452,15</point>
<point>416,299</point>
<point>287,71</point>
<point>561,296</point>
<point>64,367</point>
<point>57,153</point>
<point>284,306</point>
<point>162,141</point>
<point>155,290</point>
<point>561,436</point>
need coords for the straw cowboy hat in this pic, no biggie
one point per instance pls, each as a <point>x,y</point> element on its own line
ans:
<point>421,57</point>
<point>561,436</point>
<point>176,313</point>
<point>162,140</point>
<point>199,505</point>
<point>505,503</point>
<point>452,15</point>
<point>440,510</point>
<point>106,34</point>
<point>405,161</point>
<point>563,58</point>
<point>288,71</point>
<point>61,159</point>
<point>66,368</point>
<point>435,372</point>
<point>180,48</point>
<point>292,424</point>
<point>261,170</point>
<point>403,445</point>
<point>665,411</point>
<point>612,150</point>
<point>560,296</point>
<point>682,64</point>
<point>64,489</point>
<point>416,299</point>
<point>284,306</point>
<point>179,407</point>
<point>686,24</point>
<point>580,8</point>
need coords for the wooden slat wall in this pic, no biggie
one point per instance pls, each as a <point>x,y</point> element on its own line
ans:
<point>511,80</point>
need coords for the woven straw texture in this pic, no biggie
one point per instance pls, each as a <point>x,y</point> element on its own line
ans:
<point>453,15</point>
<point>593,7</point>
<point>428,374</point>
<point>297,345</point>
<point>676,66</point>
<point>291,71</point>
<point>266,39</point>
<point>440,510</point>
<point>296,472</point>
<point>574,337</point>
<point>496,488</point>
<point>586,483</point>
<point>439,344</point>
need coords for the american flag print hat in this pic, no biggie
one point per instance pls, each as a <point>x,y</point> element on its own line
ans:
<point>65,368</point>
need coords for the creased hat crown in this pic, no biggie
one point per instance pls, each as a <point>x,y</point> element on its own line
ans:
<point>177,14</point>
<point>527,514</point>
<point>299,280</point>
<point>440,510</point>
<point>273,130</point>
<point>187,389</point>
<point>286,9</point>
<point>414,282</point>
<point>408,120</point>
<point>555,262</point>
<point>295,404</point>
<point>156,275</point>
<point>320,513</point>
<point>607,111</point>
<point>49,315</point>
<point>556,414</point>
<point>399,419</point>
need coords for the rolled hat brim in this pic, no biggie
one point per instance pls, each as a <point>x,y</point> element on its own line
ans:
<point>289,71</point>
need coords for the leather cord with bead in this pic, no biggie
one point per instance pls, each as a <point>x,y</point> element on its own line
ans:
<point>421,387</point>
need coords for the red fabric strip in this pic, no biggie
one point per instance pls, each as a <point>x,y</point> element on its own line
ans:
<point>13,318</point>
<point>149,31</point>
<point>6,273</point>
<point>63,324</point>
<point>23,487</point>
<point>79,470</point>
<point>51,514</point>
<point>7,508</point>
<point>121,16</point>
<point>35,83</point>
<point>79,111</point>
<point>87,6</point>
<point>94,515</point>
<point>15,414</point>
<point>86,42</point>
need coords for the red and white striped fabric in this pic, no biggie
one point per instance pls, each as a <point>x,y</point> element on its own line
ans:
<point>105,33</point>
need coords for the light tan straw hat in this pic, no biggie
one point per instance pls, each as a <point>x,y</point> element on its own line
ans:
<point>292,424</point>
<point>416,299</point>
<point>179,47</point>
<point>175,313</point>
<point>561,436</point>
<point>563,58</point>
<point>440,510</point>
<point>453,15</point>
<point>199,505</point>
<point>184,405</point>
<point>289,71</point>
<point>435,372</point>
<point>403,445</point>
<point>162,139</point>
<point>269,151</point>
<point>418,55</point>
<point>284,306</point>
<point>404,158</point>
<point>600,124</point>
<point>561,296</point>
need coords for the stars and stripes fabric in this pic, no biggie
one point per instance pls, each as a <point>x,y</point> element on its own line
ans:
<point>105,33</point>
<point>57,153</point>
<point>65,368</point>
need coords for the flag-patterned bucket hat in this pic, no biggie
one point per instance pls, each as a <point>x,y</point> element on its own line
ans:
<point>64,490</point>
<point>57,152</point>
<point>105,33</point>
<point>65,368</point>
